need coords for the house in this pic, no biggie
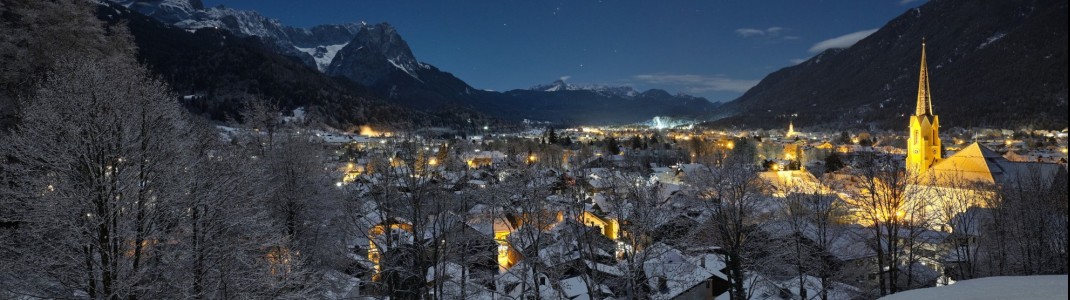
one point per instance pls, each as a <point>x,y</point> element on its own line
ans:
<point>671,275</point>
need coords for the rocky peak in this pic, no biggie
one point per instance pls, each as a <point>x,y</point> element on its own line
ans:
<point>383,39</point>
<point>301,43</point>
<point>166,11</point>
<point>561,85</point>
<point>656,93</point>
<point>557,85</point>
<point>373,55</point>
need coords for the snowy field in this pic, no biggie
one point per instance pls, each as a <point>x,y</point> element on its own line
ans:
<point>1010,287</point>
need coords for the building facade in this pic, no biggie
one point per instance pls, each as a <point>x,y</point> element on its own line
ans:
<point>923,147</point>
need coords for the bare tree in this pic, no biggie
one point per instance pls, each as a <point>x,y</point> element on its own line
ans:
<point>95,156</point>
<point>829,216</point>
<point>731,191</point>
<point>640,209</point>
<point>959,212</point>
<point>1034,205</point>
<point>889,199</point>
<point>529,216</point>
<point>36,35</point>
<point>223,230</point>
<point>402,209</point>
<point>265,120</point>
<point>797,214</point>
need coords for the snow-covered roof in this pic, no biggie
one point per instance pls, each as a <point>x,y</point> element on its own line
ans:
<point>846,243</point>
<point>520,273</point>
<point>574,288</point>
<point>977,163</point>
<point>670,273</point>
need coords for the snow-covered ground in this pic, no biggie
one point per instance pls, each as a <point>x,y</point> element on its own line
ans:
<point>1009,287</point>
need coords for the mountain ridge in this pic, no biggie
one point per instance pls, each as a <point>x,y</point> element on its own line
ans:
<point>991,64</point>
<point>378,58</point>
<point>219,72</point>
<point>191,15</point>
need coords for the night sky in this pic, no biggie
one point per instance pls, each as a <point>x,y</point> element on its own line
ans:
<point>714,49</point>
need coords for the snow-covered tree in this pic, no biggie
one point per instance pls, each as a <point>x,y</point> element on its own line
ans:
<point>97,164</point>
<point>731,192</point>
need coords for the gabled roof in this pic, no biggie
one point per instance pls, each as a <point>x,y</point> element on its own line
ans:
<point>669,273</point>
<point>974,163</point>
<point>978,163</point>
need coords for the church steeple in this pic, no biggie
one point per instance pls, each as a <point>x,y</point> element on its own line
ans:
<point>923,146</point>
<point>925,101</point>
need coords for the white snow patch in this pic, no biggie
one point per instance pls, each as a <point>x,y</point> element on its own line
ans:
<point>993,38</point>
<point>298,116</point>
<point>1006,287</point>
<point>324,58</point>
<point>393,61</point>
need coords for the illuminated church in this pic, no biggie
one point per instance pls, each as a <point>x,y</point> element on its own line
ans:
<point>972,171</point>
<point>923,147</point>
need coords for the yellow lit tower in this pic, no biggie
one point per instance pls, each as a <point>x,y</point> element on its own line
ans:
<point>923,147</point>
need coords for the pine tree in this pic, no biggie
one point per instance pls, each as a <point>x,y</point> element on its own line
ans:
<point>833,163</point>
<point>551,136</point>
<point>612,146</point>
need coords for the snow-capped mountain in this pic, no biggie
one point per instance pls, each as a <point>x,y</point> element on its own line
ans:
<point>561,85</point>
<point>375,51</point>
<point>219,70</point>
<point>379,59</point>
<point>626,92</point>
<point>315,46</point>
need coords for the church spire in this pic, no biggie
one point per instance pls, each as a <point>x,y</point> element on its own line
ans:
<point>923,146</point>
<point>925,103</point>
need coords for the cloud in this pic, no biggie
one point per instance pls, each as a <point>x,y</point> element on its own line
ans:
<point>565,78</point>
<point>749,32</point>
<point>842,41</point>
<point>771,34</point>
<point>698,83</point>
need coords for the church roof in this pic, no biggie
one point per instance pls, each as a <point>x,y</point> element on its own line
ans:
<point>974,163</point>
<point>924,106</point>
<point>977,163</point>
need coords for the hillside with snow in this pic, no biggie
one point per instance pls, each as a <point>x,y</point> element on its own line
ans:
<point>991,63</point>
